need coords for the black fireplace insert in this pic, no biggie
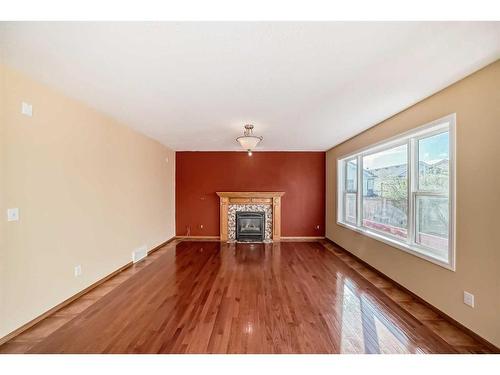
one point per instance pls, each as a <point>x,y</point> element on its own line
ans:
<point>250,226</point>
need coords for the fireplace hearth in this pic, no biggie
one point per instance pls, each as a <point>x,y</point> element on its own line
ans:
<point>250,226</point>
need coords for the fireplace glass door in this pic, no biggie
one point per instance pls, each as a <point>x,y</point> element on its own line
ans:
<point>250,226</point>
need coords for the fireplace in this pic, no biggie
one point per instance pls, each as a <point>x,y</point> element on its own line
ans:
<point>268,202</point>
<point>250,226</point>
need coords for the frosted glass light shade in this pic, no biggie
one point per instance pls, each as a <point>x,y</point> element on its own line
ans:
<point>249,142</point>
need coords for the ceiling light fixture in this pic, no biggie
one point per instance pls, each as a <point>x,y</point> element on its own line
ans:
<point>249,141</point>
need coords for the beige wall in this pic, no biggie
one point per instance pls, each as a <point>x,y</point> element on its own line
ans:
<point>89,190</point>
<point>476,101</point>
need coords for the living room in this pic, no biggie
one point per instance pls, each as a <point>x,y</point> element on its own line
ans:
<point>257,187</point>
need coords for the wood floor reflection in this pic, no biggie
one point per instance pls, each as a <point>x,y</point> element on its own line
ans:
<point>208,297</point>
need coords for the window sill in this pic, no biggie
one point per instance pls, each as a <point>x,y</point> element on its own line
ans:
<point>413,250</point>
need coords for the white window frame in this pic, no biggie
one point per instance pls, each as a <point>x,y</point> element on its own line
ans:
<point>347,191</point>
<point>410,138</point>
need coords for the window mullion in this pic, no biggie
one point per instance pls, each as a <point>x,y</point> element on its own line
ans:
<point>412,181</point>
<point>344,195</point>
<point>359,192</point>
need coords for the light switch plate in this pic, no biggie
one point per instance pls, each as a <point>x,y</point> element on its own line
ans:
<point>27,109</point>
<point>78,271</point>
<point>13,214</point>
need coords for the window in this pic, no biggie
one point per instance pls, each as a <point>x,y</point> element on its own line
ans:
<point>401,191</point>
<point>432,196</point>
<point>385,206</point>
<point>351,188</point>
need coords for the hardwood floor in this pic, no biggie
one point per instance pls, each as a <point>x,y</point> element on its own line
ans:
<point>212,297</point>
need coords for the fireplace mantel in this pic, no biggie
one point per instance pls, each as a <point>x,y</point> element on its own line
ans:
<point>272,198</point>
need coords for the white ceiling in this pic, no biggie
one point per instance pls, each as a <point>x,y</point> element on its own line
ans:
<point>305,86</point>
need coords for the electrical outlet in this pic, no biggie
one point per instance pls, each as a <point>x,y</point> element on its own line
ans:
<point>469,299</point>
<point>27,109</point>
<point>317,227</point>
<point>78,271</point>
<point>201,226</point>
<point>13,214</point>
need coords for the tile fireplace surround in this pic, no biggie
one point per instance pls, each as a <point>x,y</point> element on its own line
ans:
<point>231,217</point>
<point>268,202</point>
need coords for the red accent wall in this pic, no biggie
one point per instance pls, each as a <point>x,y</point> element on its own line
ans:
<point>301,175</point>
